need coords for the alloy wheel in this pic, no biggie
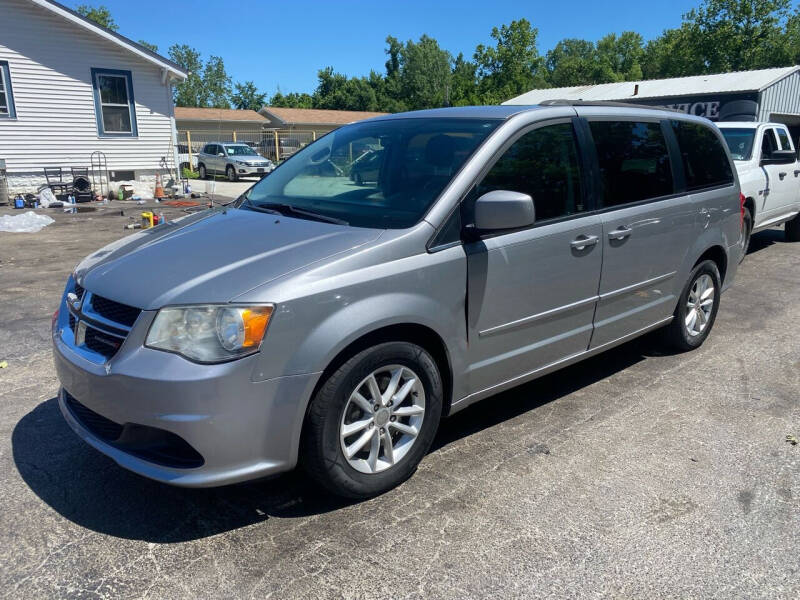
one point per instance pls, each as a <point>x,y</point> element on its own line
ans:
<point>382,418</point>
<point>699,305</point>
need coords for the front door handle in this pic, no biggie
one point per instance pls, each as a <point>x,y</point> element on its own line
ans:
<point>620,233</point>
<point>782,174</point>
<point>583,241</point>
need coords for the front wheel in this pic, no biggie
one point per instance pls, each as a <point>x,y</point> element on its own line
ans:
<point>202,172</point>
<point>747,230</point>
<point>231,173</point>
<point>697,308</point>
<point>373,420</point>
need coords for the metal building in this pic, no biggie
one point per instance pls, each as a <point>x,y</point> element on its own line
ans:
<point>763,95</point>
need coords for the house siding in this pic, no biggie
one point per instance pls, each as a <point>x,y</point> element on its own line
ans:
<point>50,61</point>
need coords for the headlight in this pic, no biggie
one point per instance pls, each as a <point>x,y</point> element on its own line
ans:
<point>213,333</point>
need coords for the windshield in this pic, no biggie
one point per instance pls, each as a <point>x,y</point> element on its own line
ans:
<point>382,174</point>
<point>740,142</point>
<point>240,150</point>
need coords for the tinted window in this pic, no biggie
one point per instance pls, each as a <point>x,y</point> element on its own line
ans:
<point>740,142</point>
<point>543,164</point>
<point>418,158</point>
<point>784,138</point>
<point>633,160</point>
<point>768,143</point>
<point>705,163</point>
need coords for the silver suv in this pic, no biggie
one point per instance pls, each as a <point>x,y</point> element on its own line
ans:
<point>232,160</point>
<point>333,323</point>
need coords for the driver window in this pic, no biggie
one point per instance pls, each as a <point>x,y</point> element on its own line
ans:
<point>768,143</point>
<point>543,164</point>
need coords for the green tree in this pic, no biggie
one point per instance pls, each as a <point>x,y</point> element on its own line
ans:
<point>620,57</point>
<point>216,83</point>
<point>291,100</point>
<point>247,97</point>
<point>464,86</point>
<point>190,92</point>
<point>737,35</point>
<point>100,15</point>
<point>148,45</point>
<point>338,92</point>
<point>672,54</point>
<point>513,65</point>
<point>572,62</point>
<point>424,74</point>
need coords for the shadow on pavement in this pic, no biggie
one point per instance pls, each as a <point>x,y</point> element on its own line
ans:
<point>765,239</point>
<point>90,489</point>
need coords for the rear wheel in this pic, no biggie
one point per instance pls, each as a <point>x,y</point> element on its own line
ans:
<point>792,230</point>
<point>747,230</point>
<point>697,308</point>
<point>373,420</point>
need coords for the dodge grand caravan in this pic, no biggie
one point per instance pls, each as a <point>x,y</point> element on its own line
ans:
<point>332,324</point>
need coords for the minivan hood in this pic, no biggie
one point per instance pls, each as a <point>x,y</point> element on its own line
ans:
<point>212,256</point>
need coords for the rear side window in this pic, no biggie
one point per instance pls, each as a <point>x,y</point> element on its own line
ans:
<point>705,162</point>
<point>784,138</point>
<point>633,160</point>
<point>543,163</point>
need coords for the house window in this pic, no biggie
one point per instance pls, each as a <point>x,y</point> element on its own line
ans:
<point>113,103</point>
<point>6,96</point>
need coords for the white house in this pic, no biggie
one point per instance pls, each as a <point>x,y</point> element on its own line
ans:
<point>69,87</point>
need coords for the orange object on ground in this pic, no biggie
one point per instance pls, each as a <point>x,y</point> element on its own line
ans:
<point>159,188</point>
<point>183,203</point>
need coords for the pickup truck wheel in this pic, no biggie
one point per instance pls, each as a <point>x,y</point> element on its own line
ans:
<point>792,230</point>
<point>697,308</point>
<point>373,420</point>
<point>747,230</point>
<point>231,173</point>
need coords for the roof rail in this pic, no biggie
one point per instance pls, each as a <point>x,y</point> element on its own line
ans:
<point>563,102</point>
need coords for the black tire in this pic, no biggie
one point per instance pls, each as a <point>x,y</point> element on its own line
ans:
<point>230,171</point>
<point>359,179</point>
<point>201,170</point>
<point>747,231</point>
<point>676,334</point>
<point>321,453</point>
<point>792,230</point>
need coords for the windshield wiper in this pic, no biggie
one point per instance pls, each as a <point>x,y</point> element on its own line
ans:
<point>289,210</point>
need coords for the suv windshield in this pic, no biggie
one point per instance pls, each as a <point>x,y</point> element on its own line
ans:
<point>240,150</point>
<point>740,142</point>
<point>383,174</point>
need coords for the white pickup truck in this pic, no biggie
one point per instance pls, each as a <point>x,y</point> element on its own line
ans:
<point>769,174</point>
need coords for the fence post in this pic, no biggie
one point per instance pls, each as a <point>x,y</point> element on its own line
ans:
<point>277,148</point>
<point>313,136</point>
<point>189,148</point>
<point>234,136</point>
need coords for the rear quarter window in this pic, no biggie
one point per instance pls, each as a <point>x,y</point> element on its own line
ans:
<point>705,162</point>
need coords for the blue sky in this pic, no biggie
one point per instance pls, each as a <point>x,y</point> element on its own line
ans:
<point>285,43</point>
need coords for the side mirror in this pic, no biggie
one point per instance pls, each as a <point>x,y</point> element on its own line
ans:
<point>503,209</point>
<point>779,157</point>
<point>222,154</point>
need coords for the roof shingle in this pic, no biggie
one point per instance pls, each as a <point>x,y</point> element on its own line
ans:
<point>216,114</point>
<point>315,116</point>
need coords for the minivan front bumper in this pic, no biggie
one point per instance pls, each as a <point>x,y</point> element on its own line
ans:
<point>241,429</point>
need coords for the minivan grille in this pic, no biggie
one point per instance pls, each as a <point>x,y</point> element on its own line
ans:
<point>115,311</point>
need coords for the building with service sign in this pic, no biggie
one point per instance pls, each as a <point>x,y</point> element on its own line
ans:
<point>764,95</point>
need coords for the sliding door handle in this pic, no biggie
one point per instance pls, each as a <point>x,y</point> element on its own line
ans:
<point>620,233</point>
<point>583,241</point>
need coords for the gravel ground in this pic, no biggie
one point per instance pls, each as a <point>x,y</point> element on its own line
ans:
<point>634,474</point>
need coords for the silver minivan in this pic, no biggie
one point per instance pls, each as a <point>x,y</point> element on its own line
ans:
<point>332,324</point>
